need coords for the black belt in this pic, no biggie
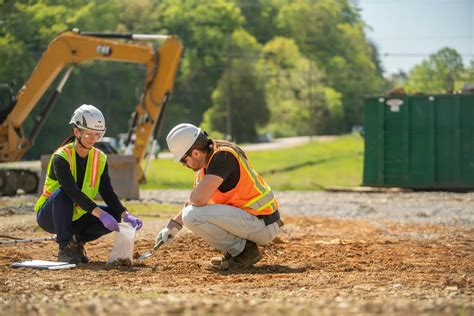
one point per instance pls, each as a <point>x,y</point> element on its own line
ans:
<point>272,218</point>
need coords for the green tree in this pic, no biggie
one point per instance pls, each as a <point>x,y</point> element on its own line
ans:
<point>22,45</point>
<point>239,106</point>
<point>331,34</point>
<point>468,78</point>
<point>437,74</point>
<point>318,92</point>
<point>141,16</point>
<point>204,29</point>
<point>396,81</point>
<point>294,90</point>
<point>260,18</point>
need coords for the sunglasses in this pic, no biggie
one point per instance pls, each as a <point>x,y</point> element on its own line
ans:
<point>186,155</point>
<point>90,134</point>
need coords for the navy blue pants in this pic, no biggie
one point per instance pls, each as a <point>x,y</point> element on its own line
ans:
<point>55,216</point>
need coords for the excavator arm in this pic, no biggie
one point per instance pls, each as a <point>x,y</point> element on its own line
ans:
<point>73,48</point>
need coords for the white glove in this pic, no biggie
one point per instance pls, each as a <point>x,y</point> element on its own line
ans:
<point>169,232</point>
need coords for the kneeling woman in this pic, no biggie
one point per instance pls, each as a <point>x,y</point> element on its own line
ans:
<point>76,172</point>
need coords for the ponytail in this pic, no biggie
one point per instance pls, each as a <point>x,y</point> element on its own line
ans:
<point>225,143</point>
<point>205,144</point>
<point>68,140</point>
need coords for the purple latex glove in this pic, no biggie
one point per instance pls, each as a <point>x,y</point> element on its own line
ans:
<point>109,221</point>
<point>134,221</point>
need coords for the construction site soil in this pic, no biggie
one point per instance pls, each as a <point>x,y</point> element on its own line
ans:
<point>360,259</point>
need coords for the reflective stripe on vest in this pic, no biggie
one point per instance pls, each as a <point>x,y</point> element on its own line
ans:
<point>251,193</point>
<point>96,161</point>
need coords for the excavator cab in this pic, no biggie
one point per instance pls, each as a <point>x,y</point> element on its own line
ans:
<point>7,100</point>
<point>12,176</point>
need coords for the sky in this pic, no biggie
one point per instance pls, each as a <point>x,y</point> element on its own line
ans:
<point>408,31</point>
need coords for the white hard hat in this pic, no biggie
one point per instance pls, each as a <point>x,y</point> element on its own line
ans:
<point>88,117</point>
<point>181,138</point>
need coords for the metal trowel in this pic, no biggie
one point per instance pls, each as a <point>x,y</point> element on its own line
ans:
<point>150,253</point>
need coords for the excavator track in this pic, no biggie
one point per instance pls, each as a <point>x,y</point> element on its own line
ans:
<point>12,180</point>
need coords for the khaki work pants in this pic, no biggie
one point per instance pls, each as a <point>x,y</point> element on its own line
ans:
<point>226,227</point>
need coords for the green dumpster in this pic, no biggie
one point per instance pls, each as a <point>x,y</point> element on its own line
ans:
<point>419,141</point>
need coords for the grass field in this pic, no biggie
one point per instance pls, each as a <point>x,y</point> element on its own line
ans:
<point>312,166</point>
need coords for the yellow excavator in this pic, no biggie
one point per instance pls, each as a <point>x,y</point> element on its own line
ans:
<point>65,52</point>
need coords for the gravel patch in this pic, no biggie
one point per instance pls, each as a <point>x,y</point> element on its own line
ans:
<point>420,207</point>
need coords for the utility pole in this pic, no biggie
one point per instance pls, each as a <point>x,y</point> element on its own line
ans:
<point>228,124</point>
<point>310,101</point>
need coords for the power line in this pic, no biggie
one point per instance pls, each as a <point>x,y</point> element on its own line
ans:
<point>418,55</point>
<point>426,37</point>
<point>412,1</point>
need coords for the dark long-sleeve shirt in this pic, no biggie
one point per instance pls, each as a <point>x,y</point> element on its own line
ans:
<point>60,171</point>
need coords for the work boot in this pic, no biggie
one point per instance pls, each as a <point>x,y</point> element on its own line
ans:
<point>216,261</point>
<point>249,256</point>
<point>81,251</point>
<point>69,254</point>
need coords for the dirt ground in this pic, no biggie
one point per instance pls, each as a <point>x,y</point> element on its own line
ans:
<point>317,265</point>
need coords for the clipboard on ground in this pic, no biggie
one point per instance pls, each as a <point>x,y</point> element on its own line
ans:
<point>45,265</point>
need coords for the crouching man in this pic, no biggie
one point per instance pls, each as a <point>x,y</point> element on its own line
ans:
<point>231,206</point>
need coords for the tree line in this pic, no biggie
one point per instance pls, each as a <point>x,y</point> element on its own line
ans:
<point>250,67</point>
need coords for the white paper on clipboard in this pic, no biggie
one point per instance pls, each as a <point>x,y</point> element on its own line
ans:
<point>41,264</point>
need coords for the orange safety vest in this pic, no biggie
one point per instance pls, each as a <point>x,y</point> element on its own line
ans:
<point>95,166</point>
<point>252,193</point>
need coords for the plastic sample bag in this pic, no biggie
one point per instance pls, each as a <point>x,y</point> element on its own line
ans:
<point>122,250</point>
